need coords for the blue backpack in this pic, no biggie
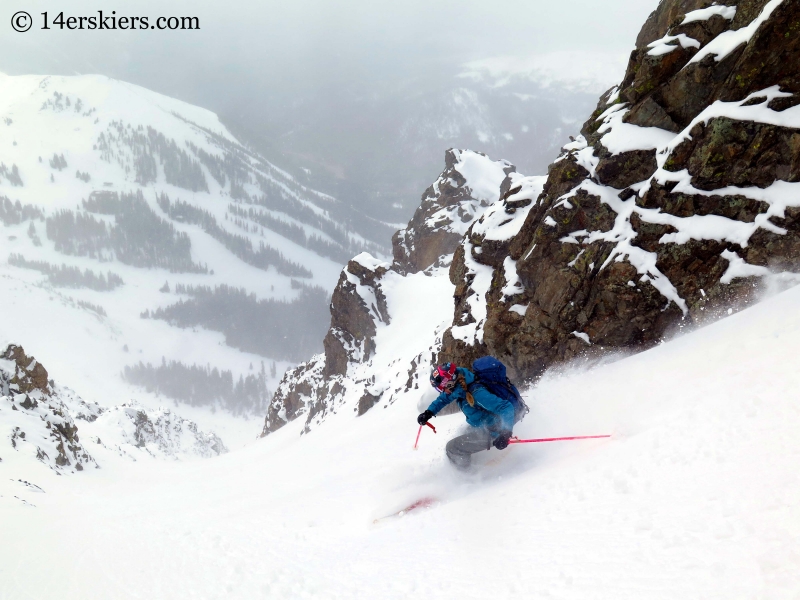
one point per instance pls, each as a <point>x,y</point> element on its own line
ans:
<point>491,374</point>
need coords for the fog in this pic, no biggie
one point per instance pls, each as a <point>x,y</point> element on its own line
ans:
<point>354,94</point>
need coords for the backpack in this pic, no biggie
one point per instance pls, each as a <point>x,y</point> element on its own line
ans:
<point>491,374</point>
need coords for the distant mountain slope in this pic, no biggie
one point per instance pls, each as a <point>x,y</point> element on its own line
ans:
<point>148,214</point>
<point>378,149</point>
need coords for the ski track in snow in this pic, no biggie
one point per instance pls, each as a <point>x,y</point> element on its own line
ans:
<point>696,496</point>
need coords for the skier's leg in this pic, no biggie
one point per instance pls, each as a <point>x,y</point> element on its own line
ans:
<point>460,449</point>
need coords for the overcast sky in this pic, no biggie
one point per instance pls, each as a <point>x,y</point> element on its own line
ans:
<point>252,48</point>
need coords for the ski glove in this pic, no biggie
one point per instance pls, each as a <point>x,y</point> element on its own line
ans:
<point>501,441</point>
<point>425,417</point>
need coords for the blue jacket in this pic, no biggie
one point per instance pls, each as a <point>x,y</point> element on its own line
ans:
<point>489,412</point>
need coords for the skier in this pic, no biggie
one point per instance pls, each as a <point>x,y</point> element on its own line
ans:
<point>491,417</point>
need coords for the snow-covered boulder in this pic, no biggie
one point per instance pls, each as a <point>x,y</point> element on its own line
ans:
<point>679,197</point>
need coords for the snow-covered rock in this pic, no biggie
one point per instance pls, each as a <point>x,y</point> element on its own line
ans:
<point>34,419</point>
<point>131,430</point>
<point>469,183</point>
<point>41,420</point>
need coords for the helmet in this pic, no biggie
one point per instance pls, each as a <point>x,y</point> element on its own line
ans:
<point>443,377</point>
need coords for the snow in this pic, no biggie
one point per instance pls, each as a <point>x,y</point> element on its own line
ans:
<point>366,293</point>
<point>82,347</point>
<point>665,45</point>
<point>420,308</point>
<point>736,110</point>
<point>695,496</point>
<point>574,261</point>
<point>624,137</point>
<point>471,333</point>
<point>513,286</point>
<point>582,336</point>
<point>623,235</point>
<point>482,180</point>
<point>726,42</point>
<point>483,175</point>
<point>498,223</point>
<point>520,309</point>
<point>704,14</point>
<point>580,142</point>
<point>738,268</point>
<point>366,260</point>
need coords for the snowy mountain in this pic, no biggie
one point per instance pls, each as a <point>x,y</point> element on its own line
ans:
<point>138,218</point>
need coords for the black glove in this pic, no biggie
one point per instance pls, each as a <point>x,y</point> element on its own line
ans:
<point>425,417</point>
<point>501,441</point>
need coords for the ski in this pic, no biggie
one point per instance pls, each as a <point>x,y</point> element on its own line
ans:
<point>426,502</point>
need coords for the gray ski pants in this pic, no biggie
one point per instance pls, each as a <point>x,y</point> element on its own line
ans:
<point>460,449</point>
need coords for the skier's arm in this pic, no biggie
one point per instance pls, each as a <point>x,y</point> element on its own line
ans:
<point>441,401</point>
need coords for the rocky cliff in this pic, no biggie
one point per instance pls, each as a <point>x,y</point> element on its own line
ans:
<point>676,200</point>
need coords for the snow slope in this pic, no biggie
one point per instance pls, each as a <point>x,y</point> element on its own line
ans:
<point>696,496</point>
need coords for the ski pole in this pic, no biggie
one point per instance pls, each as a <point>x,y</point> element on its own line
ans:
<point>420,431</point>
<point>558,439</point>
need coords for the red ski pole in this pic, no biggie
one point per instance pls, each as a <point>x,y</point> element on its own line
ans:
<point>558,439</point>
<point>420,431</point>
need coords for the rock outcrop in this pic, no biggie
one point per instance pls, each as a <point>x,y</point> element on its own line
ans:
<point>352,376</point>
<point>36,417</point>
<point>40,418</point>
<point>448,207</point>
<point>678,197</point>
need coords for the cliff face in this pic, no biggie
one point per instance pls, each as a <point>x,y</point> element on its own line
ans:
<point>678,198</point>
<point>387,320</point>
